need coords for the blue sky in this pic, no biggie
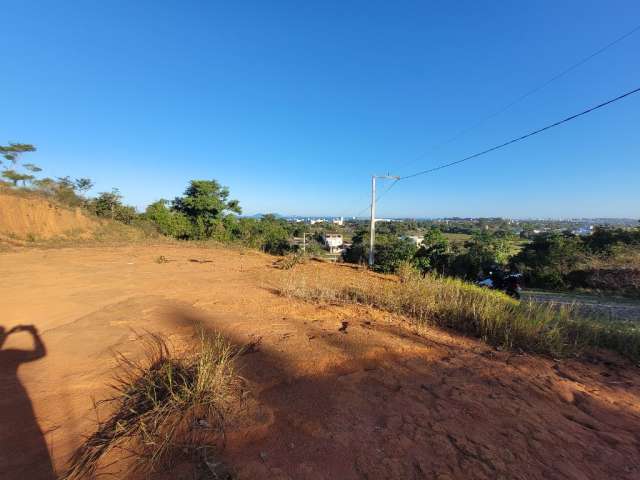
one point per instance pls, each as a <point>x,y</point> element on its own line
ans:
<point>294,105</point>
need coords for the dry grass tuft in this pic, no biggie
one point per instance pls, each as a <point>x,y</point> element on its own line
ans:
<point>290,261</point>
<point>163,405</point>
<point>499,320</point>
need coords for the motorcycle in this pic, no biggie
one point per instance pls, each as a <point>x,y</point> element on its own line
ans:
<point>511,283</point>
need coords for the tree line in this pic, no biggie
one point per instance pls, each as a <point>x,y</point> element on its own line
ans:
<point>608,259</point>
<point>203,212</point>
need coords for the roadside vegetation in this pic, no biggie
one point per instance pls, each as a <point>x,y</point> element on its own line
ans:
<point>608,260</point>
<point>489,315</point>
<point>164,407</point>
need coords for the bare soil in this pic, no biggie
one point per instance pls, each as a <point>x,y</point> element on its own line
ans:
<point>31,217</point>
<point>336,392</point>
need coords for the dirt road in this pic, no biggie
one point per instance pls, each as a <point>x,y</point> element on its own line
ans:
<point>365,399</point>
<point>607,308</point>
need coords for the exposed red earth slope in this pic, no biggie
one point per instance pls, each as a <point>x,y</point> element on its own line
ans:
<point>371,401</point>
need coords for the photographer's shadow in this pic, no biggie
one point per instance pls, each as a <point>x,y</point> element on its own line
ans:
<point>22,443</point>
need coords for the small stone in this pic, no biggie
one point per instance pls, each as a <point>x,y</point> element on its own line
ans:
<point>263,456</point>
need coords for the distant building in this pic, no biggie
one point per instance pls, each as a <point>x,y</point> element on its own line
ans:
<point>333,242</point>
<point>338,221</point>
<point>313,221</point>
<point>416,240</point>
<point>582,231</point>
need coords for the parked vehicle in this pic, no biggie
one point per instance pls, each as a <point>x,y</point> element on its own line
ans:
<point>510,283</point>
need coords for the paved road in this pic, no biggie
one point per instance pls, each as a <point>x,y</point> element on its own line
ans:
<point>614,308</point>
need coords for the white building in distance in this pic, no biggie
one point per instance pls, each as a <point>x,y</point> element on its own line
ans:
<point>333,241</point>
<point>582,231</point>
<point>413,238</point>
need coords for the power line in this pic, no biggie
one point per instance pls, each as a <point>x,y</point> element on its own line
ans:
<point>525,95</point>
<point>507,143</point>
<point>388,189</point>
<point>518,139</point>
<point>506,107</point>
<point>377,198</point>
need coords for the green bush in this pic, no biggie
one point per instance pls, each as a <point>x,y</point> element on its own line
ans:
<point>168,222</point>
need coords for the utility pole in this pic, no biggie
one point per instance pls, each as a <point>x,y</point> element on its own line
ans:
<point>372,234</point>
<point>304,242</point>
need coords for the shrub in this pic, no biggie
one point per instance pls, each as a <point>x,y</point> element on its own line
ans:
<point>168,222</point>
<point>290,261</point>
<point>161,403</point>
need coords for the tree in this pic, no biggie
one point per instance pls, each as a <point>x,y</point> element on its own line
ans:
<point>109,204</point>
<point>488,249</point>
<point>168,222</point>
<point>485,252</point>
<point>391,252</point>
<point>106,203</point>
<point>274,235</point>
<point>32,167</point>
<point>82,184</point>
<point>434,253</point>
<point>46,185</point>
<point>434,240</point>
<point>67,189</point>
<point>13,151</point>
<point>16,177</point>
<point>204,203</point>
<point>63,190</point>
<point>358,252</point>
<point>549,258</point>
<point>66,182</point>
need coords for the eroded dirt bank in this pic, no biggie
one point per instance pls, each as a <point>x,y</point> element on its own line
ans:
<point>33,217</point>
<point>365,399</point>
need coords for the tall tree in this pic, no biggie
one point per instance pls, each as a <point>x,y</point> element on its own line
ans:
<point>13,151</point>
<point>205,202</point>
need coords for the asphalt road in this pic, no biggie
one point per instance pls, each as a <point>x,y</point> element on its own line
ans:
<point>612,308</point>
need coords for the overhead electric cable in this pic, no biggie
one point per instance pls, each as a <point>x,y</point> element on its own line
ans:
<point>518,139</point>
<point>524,95</point>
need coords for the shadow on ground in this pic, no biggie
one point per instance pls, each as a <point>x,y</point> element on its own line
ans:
<point>22,442</point>
<point>395,405</point>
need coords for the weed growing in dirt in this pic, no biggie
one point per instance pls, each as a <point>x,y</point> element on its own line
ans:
<point>163,405</point>
<point>162,259</point>
<point>492,316</point>
<point>290,261</point>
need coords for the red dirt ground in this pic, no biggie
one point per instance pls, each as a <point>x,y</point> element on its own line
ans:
<point>374,401</point>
